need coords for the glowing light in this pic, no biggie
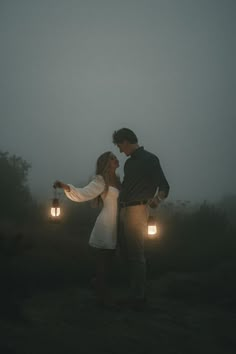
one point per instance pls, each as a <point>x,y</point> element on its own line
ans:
<point>55,212</point>
<point>55,209</point>
<point>153,229</point>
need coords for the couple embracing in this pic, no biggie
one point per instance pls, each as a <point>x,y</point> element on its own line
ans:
<point>122,222</point>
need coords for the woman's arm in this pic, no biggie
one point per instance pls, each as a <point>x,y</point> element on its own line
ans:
<point>59,184</point>
<point>91,191</point>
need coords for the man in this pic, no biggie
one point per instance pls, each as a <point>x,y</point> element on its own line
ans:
<point>144,184</point>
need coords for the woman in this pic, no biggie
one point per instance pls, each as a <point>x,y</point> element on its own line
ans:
<point>103,189</point>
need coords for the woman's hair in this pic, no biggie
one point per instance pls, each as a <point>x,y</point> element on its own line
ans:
<point>102,169</point>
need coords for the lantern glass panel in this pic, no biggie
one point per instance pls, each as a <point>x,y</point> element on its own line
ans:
<point>152,229</point>
<point>55,212</point>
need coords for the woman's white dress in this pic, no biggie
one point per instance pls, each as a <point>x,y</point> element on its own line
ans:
<point>104,233</point>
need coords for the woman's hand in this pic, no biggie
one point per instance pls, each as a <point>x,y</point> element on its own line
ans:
<point>59,184</point>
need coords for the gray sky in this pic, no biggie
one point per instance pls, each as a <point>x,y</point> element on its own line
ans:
<point>74,71</point>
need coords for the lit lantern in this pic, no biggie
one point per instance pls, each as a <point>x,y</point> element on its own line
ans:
<point>152,227</point>
<point>55,208</point>
<point>55,211</point>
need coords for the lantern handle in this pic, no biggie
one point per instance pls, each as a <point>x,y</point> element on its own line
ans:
<point>55,192</point>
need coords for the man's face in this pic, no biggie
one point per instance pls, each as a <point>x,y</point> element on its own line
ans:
<point>123,147</point>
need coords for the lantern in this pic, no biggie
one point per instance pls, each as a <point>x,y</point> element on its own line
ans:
<point>55,211</point>
<point>55,208</point>
<point>152,227</point>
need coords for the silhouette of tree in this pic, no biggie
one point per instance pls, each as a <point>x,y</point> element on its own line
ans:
<point>16,199</point>
<point>228,205</point>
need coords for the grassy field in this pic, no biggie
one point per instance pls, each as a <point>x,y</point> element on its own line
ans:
<point>46,304</point>
<point>47,307</point>
<point>66,320</point>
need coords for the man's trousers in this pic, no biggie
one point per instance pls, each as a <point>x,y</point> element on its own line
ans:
<point>132,229</point>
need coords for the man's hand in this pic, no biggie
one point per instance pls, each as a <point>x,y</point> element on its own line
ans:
<point>154,203</point>
<point>157,200</point>
<point>161,195</point>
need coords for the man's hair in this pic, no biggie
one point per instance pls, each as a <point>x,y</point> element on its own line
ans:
<point>119,136</point>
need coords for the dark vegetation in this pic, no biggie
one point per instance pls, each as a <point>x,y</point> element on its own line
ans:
<point>191,264</point>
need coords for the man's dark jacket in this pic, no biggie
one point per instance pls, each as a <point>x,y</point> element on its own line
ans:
<point>143,175</point>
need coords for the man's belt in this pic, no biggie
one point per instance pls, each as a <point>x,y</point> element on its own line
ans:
<point>132,203</point>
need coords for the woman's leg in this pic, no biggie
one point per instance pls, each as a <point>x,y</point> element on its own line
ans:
<point>104,259</point>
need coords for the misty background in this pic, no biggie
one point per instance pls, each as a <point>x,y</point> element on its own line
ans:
<point>72,72</point>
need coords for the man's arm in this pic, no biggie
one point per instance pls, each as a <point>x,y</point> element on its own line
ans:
<point>163,188</point>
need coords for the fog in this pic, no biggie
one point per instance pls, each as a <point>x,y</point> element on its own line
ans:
<point>74,71</point>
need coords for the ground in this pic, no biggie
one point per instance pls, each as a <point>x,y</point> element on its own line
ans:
<point>65,320</point>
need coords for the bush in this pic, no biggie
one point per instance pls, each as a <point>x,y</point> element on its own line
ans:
<point>17,204</point>
<point>192,241</point>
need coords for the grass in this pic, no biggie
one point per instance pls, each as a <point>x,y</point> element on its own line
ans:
<point>46,305</point>
<point>64,319</point>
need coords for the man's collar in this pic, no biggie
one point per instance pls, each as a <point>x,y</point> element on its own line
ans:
<point>140,148</point>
